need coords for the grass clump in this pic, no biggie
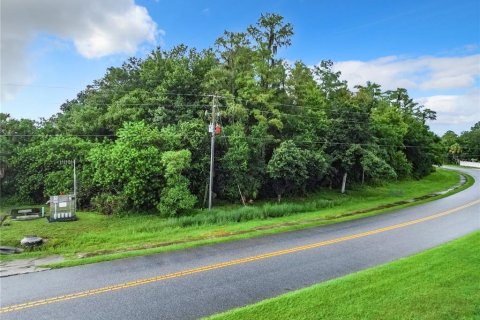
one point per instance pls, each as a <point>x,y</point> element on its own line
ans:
<point>247,213</point>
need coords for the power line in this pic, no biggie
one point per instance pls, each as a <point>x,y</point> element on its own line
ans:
<point>170,104</point>
<point>237,99</point>
<point>35,85</point>
<point>57,135</point>
<point>306,117</point>
<point>324,141</point>
<point>104,91</point>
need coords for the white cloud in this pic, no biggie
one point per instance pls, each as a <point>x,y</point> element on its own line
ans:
<point>96,28</point>
<point>455,109</point>
<point>423,73</point>
<point>441,103</point>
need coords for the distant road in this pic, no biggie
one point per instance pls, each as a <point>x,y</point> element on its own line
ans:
<point>202,281</point>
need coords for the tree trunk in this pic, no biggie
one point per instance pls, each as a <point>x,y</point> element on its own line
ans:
<point>363,176</point>
<point>344,182</point>
<point>241,195</point>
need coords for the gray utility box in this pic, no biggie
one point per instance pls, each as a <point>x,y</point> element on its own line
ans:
<point>62,208</point>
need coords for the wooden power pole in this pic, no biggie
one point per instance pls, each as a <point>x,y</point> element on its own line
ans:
<point>212,151</point>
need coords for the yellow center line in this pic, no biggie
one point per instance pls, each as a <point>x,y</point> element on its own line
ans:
<point>178,274</point>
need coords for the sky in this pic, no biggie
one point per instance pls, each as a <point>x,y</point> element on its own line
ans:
<point>53,49</point>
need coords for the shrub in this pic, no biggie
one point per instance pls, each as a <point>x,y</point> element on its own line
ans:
<point>176,196</point>
<point>108,204</point>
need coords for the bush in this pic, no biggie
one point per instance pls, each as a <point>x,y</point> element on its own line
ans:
<point>109,204</point>
<point>175,197</point>
<point>175,200</point>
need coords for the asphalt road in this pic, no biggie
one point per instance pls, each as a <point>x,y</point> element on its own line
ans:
<point>202,281</point>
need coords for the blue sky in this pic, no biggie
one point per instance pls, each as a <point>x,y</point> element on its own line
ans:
<point>51,49</point>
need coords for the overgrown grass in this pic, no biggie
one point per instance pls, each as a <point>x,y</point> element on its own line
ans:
<point>441,283</point>
<point>247,213</point>
<point>97,238</point>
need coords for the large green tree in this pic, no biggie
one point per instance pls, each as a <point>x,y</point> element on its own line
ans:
<point>287,168</point>
<point>130,170</point>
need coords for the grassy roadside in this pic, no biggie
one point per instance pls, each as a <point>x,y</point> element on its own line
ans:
<point>100,238</point>
<point>441,283</point>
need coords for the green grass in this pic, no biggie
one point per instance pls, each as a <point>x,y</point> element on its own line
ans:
<point>441,283</point>
<point>99,238</point>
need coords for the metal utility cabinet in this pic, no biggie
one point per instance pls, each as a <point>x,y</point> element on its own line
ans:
<point>62,208</point>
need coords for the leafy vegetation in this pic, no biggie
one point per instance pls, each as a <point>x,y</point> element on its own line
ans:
<point>286,130</point>
<point>175,196</point>
<point>441,283</point>
<point>129,171</point>
<point>463,147</point>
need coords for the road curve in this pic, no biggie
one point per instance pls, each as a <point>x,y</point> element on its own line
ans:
<point>198,282</point>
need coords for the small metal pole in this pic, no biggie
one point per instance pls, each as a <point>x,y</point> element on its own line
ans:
<point>74,187</point>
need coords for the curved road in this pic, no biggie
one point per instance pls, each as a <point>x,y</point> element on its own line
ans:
<point>198,282</point>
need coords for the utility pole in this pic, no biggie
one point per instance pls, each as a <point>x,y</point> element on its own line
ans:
<point>212,151</point>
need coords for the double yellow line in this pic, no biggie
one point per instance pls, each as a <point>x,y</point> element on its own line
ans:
<point>135,283</point>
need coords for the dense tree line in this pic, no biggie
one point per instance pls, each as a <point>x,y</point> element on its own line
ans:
<point>465,146</point>
<point>140,138</point>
